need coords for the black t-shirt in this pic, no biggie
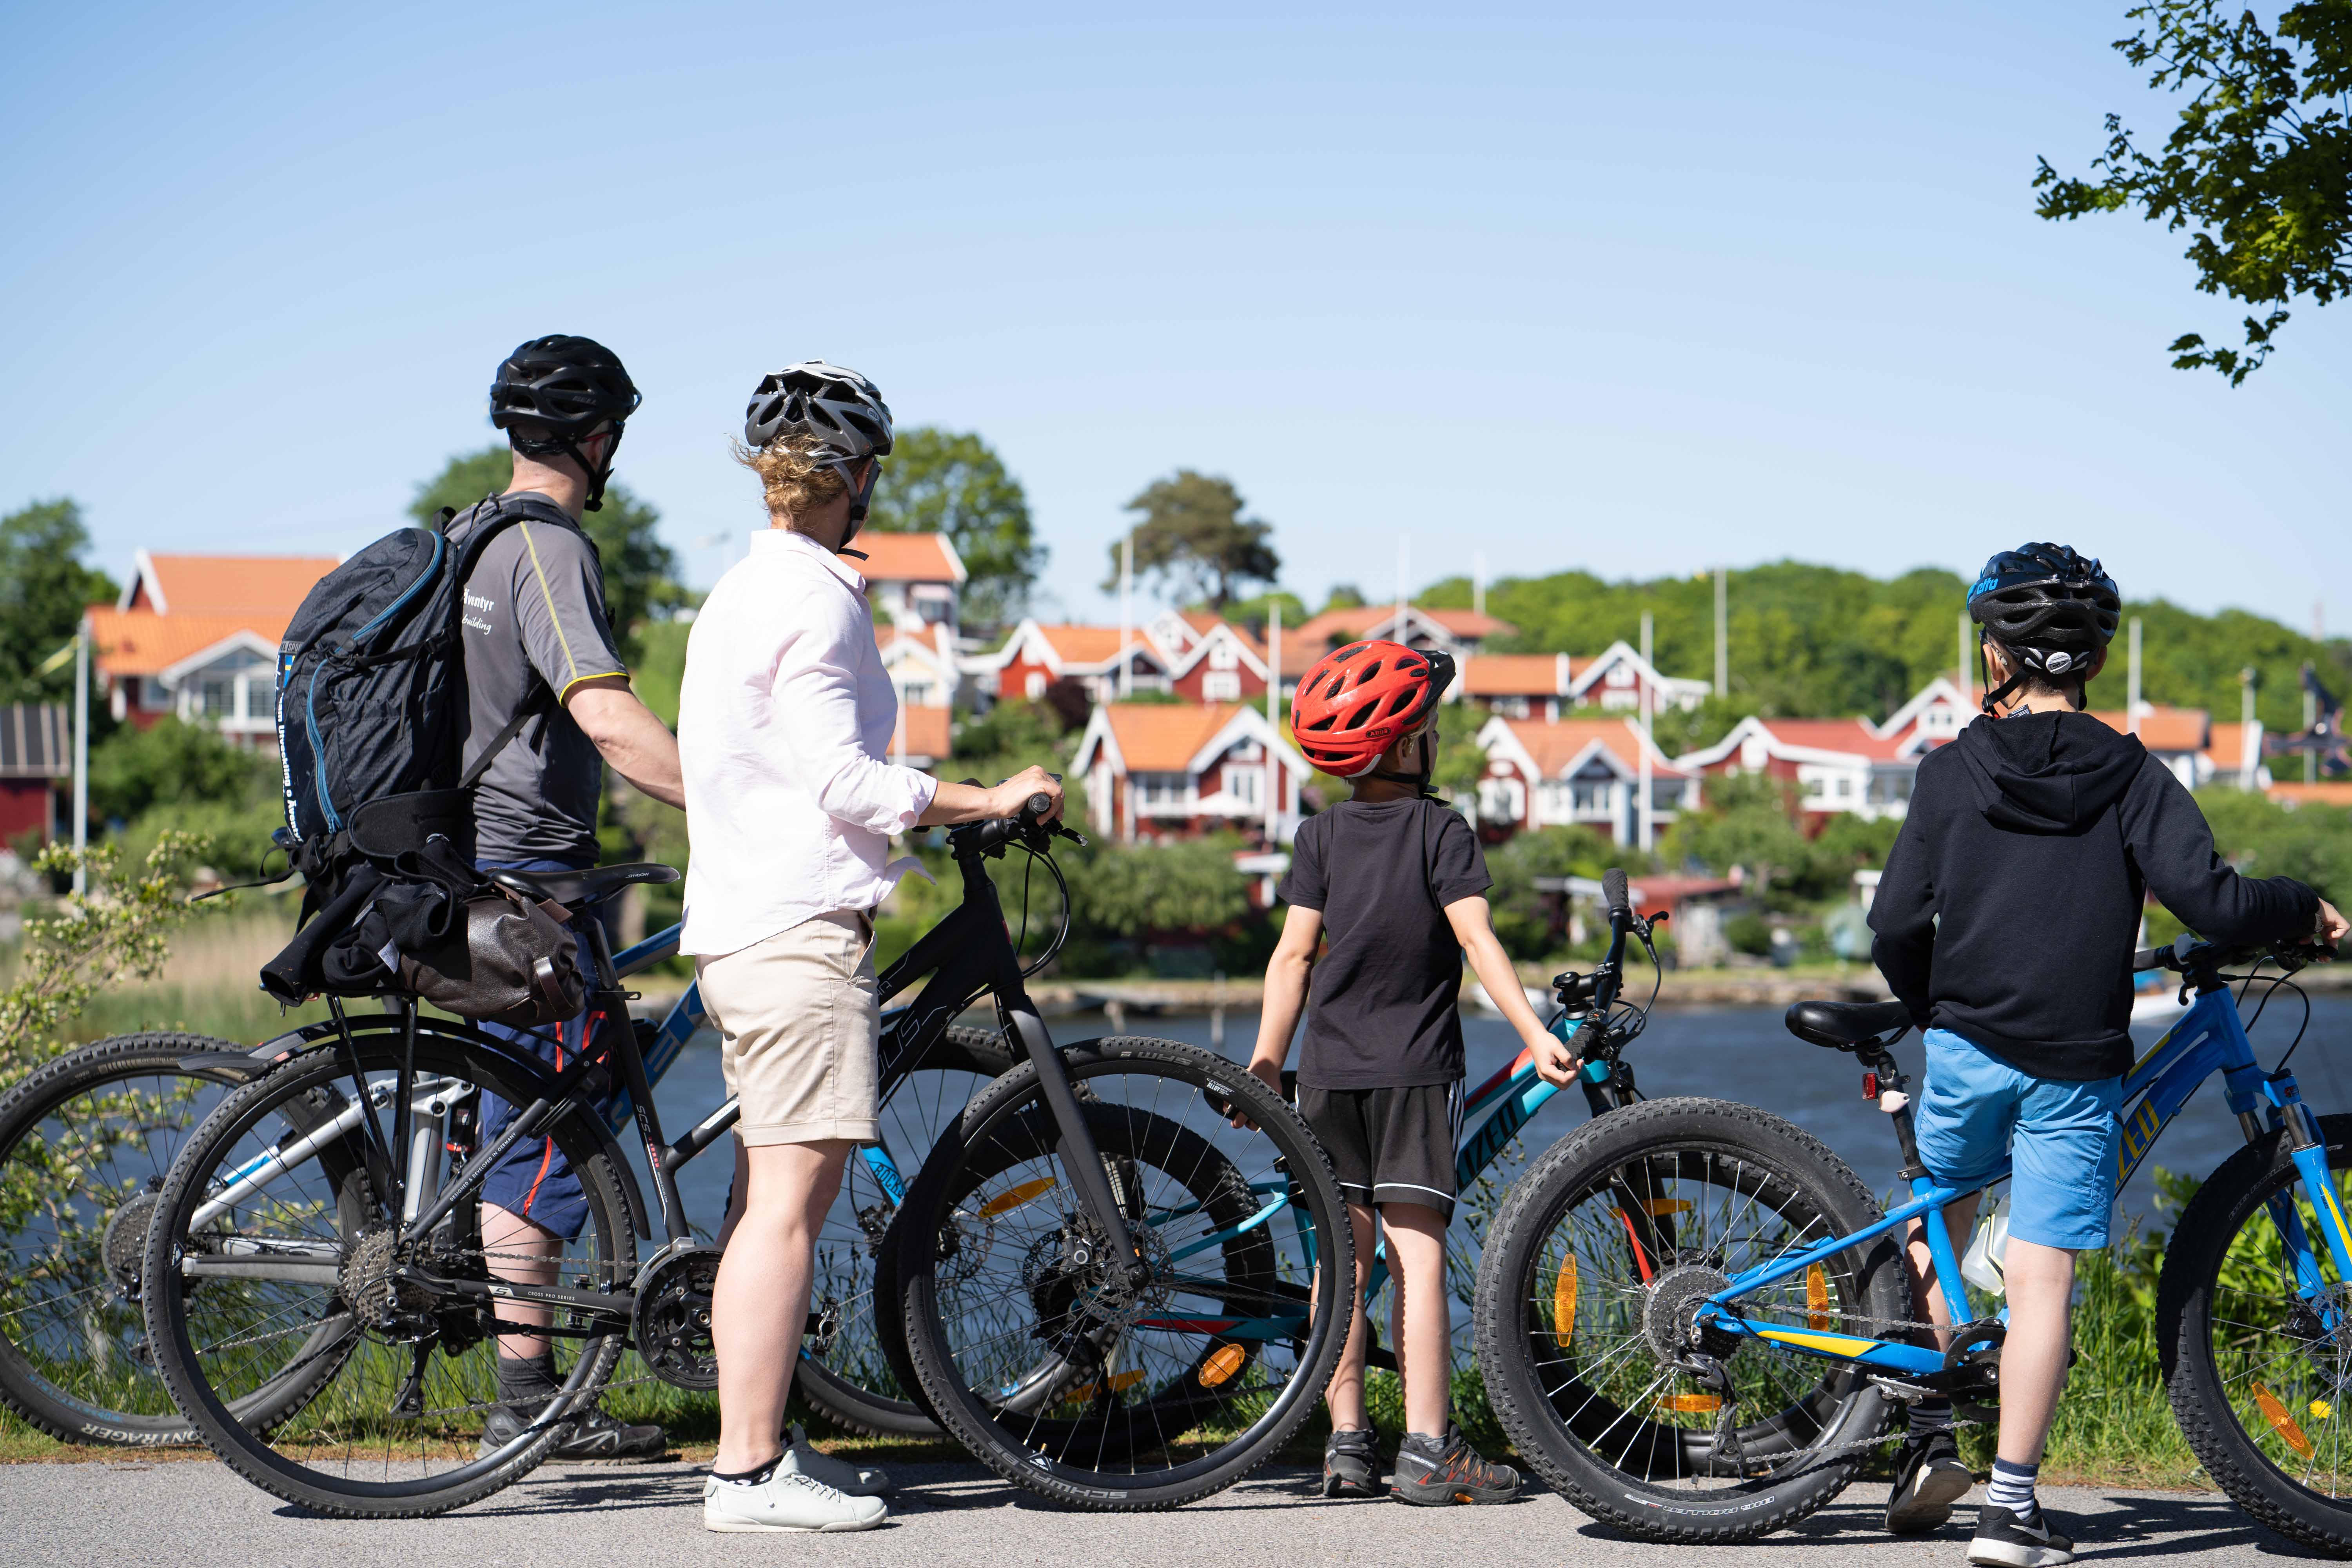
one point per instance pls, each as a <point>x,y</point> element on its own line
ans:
<point>1381,1011</point>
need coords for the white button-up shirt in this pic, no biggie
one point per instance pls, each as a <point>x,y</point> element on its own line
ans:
<point>784,718</point>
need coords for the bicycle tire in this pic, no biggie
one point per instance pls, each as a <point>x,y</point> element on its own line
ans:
<point>54,1387</point>
<point>883,1399</point>
<point>2189,1291</point>
<point>255,1454</point>
<point>934,1233</point>
<point>1520,1358</point>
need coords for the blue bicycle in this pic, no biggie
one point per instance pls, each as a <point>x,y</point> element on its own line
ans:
<point>1693,1319</point>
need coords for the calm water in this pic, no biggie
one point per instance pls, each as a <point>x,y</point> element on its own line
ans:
<point>1729,1053</point>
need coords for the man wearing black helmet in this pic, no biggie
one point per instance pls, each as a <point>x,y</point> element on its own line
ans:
<point>2006,920</point>
<point>540,649</point>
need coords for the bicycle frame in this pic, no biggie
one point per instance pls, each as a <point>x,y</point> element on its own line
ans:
<point>2209,1038</point>
<point>967,955</point>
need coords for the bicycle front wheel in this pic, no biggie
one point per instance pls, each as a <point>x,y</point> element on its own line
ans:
<point>274,1231</point>
<point>849,1361</point>
<point>1593,1270</point>
<point>1052,1368</point>
<point>2257,1354</point>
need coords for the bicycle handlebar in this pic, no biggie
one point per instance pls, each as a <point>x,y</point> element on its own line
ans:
<point>2184,954</point>
<point>1612,888</point>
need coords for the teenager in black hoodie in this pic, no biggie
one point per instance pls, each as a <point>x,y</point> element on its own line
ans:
<point>2006,920</point>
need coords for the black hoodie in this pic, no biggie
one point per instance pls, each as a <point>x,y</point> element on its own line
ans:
<point>2011,899</point>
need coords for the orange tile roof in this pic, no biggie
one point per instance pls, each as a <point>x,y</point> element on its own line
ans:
<point>1553,745</point>
<point>1318,630</point>
<point>140,642</point>
<point>2161,728</point>
<point>270,586</point>
<point>923,732</point>
<point>2335,792</point>
<point>905,558</point>
<point>1831,735</point>
<point>1164,737</point>
<point>2227,748</point>
<point>1089,644</point>
<point>1512,675</point>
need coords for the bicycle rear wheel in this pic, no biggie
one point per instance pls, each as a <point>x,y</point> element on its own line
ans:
<point>257,1247</point>
<point>2259,1371</point>
<point>848,1363</point>
<point>84,1144</point>
<point>1056,1374</point>
<point>1592,1269</point>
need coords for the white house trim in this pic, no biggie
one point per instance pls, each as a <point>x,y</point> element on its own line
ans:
<point>1219,635</point>
<point>1683,693</point>
<point>143,570</point>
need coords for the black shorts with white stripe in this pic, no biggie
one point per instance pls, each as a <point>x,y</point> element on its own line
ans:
<point>1390,1145</point>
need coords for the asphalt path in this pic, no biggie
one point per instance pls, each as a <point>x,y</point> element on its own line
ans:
<point>196,1514</point>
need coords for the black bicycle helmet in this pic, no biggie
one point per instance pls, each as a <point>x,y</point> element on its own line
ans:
<point>568,385</point>
<point>840,409</point>
<point>2048,605</point>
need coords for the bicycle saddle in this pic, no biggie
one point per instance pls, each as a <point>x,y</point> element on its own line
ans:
<point>1841,1025</point>
<point>574,889</point>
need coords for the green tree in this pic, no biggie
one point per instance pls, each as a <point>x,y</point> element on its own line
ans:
<point>1748,822</point>
<point>1254,611</point>
<point>640,571</point>
<point>1191,535</point>
<point>44,588</point>
<point>1187,886</point>
<point>184,779</point>
<point>2259,167</point>
<point>942,481</point>
<point>1343,596</point>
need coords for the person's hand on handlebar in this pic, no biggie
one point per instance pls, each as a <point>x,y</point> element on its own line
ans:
<point>956,803</point>
<point>2330,927</point>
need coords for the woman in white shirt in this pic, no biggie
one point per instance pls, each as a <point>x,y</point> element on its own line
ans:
<point>785,715</point>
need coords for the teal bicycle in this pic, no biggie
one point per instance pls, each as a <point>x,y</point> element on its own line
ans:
<point>1693,1319</point>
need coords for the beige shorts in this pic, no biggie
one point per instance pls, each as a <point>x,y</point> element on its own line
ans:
<point>797,1018</point>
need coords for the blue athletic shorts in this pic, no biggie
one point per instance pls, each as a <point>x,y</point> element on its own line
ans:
<point>1978,1116</point>
<point>533,1179</point>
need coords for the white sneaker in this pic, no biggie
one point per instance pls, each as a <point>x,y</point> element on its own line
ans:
<point>804,1458</point>
<point>787,1500</point>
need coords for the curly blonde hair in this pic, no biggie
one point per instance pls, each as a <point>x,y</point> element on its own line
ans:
<point>796,474</point>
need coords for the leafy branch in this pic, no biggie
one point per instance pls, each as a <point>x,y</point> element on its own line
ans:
<point>119,927</point>
<point>2260,164</point>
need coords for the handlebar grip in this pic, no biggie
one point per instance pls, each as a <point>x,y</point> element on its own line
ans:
<point>1612,887</point>
<point>1037,805</point>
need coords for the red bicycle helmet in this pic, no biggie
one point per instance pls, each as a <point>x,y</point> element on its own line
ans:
<point>1361,700</point>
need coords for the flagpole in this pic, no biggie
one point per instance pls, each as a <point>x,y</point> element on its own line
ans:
<point>82,755</point>
<point>1273,715</point>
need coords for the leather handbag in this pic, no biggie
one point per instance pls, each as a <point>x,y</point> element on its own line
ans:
<point>516,965</point>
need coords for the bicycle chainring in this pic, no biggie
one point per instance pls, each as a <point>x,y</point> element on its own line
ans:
<point>672,1326</point>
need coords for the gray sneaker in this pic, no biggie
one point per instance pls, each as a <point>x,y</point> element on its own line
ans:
<point>804,1458</point>
<point>592,1435</point>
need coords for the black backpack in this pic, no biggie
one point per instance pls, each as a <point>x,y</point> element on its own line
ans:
<point>371,692</point>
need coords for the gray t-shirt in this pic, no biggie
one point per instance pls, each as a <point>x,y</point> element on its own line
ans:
<point>534,622</point>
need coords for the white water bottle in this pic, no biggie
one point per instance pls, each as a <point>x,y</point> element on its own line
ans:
<point>1989,1251</point>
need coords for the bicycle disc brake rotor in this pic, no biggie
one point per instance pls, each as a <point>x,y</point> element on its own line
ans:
<point>1076,1289</point>
<point>1670,1316</point>
<point>673,1318</point>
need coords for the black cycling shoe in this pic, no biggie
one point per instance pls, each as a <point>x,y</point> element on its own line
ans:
<point>1929,1479</point>
<point>592,1436</point>
<point>1352,1464</point>
<point>2003,1543</point>
<point>1435,1471</point>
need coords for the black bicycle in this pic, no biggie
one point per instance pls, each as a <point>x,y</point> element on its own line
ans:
<point>1098,1163</point>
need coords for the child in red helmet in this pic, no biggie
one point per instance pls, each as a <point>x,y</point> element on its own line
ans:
<point>1394,879</point>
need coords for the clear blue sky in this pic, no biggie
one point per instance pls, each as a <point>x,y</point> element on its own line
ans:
<point>1635,288</point>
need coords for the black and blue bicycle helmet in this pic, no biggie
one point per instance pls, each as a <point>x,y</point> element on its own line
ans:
<point>2048,605</point>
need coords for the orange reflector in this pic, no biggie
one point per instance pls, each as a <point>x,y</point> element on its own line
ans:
<point>1690,1405</point>
<point>1817,1298</point>
<point>1563,1299</point>
<point>1013,1197</point>
<point>1223,1364</point>
<point>1120,1381</point>
<point>1658,1208</point>
<point>2281,1422</point>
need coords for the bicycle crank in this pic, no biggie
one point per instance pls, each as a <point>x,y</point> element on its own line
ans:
<point>672,1325</point>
